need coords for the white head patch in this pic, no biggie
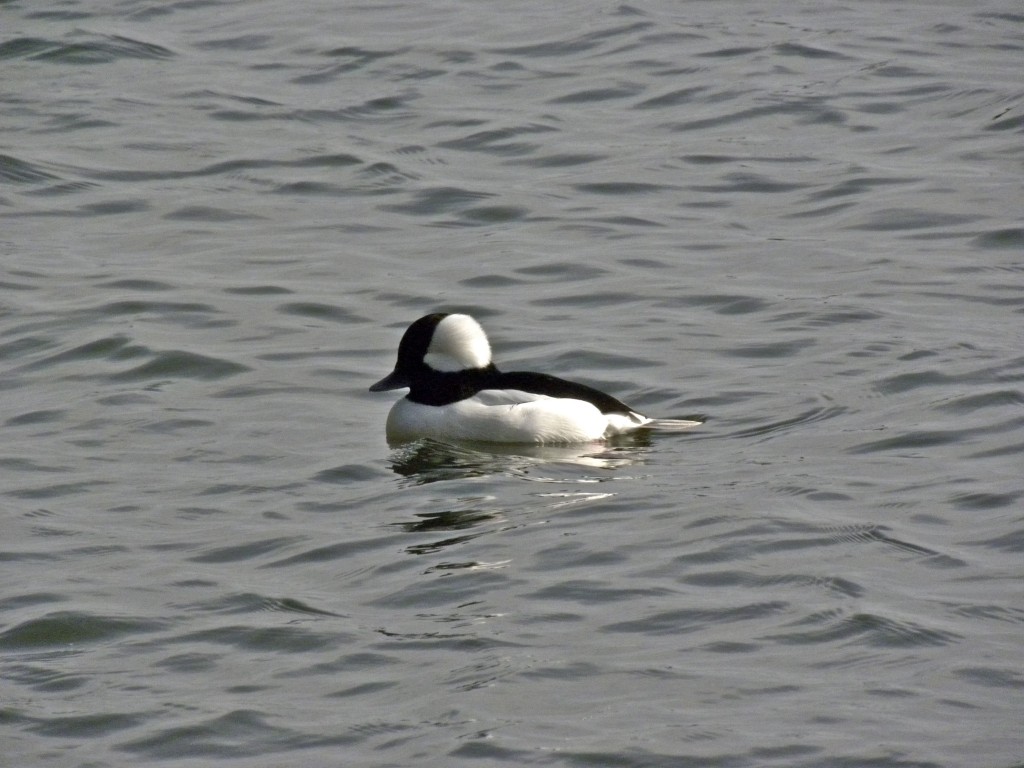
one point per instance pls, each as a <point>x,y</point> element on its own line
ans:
<point>458,343</point>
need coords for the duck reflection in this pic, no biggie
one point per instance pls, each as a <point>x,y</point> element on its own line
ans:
<point>472,521</point>
<point>430,461</point>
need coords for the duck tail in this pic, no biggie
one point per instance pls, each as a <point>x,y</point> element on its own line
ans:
<point>672,425</point>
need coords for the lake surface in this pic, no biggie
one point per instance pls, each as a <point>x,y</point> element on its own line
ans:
<point>801,222</point>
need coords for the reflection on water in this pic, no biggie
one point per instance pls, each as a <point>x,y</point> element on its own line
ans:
<point>429,461</point>
<point>448,520</point>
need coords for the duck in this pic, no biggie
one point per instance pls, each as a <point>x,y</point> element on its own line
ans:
<point>457,393</point>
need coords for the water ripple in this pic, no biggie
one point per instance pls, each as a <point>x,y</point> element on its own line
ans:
<point>217,219</point>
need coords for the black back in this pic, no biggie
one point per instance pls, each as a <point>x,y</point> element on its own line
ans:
<point>431,387</point>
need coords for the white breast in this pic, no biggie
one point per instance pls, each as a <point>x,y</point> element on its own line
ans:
<point>502,416</point>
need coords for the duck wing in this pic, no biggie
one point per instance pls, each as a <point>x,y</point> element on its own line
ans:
<point>552,386</point>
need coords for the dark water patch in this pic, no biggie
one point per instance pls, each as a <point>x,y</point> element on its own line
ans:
<point>910,443</point>
<point>1008,122</point>
<point>318,311</point>
<point>500,141</point>
<point>991,677</point>
<point>240,734</point>
<point>866,629</point>
<point>358,661</point>
<point>345,474</point>
<point>25,600</point>
<point>598,94</point>
<point>25,47</point>
<point>992,613</point>
<point>562,160</point>
<point>821,211</point>
<point>594,592</point>
<point>971,402</point>
<point>1011,541</point>
<point>87,726</point>
<point>1001,238</point>
<point>56,490</point>
<point>672,99</point>
<point>126,399</point>
<point>320,188</point>
<point>356,57</point>
<point>383,178</point>
<point>1014,301</point>
<point>244,42</point>
<point>729,52</point>
<point>258,290</point>
<point>8,285</point>
<point>593,299</point>
<point>465,584</point>
<point>908,219</point>
<point>568,672</point>
<point>731,646</point>
<point>331,552</point>
<point>619,222</point>
<point>221,168</point>
<point>808,52</point>
<point>562,270</point>
<point>189,663</point>
<point>295,637</point>
<point>749,182</point>
<point>42,677</point>
<point>99,49</point>
<point>111,208</point>
<point>641,262</point>
<point>740,116</point>
<point>247,551</point>
<point>364,689</point>
<point>571,46</point>
<point>207,213</point>
<point>617,188</point>
<point>492,214</point>
<point>605,361</point>
<point>170,309</point>
<point>228,604</point>
<point>45,416</point>
<point>903,382</point>
<point>459,643</point>
<point>15,171</point>
<point>773,350</point>
<point>72,628</point>
<point>722,304</point>
<point>879,534</point>
<point>132,284</point>
<point>861,186</point>
<point>432,202</point>
<point>291,605</point>
<point>491,281</point>
<point>712,159</point>
<point>377,110</point>
<point>776,538</point>
<point>321,160</point>
<point>827,319</point>
<point>236,489</point>
<point>177,364</point>
<point>983,500</point>
<point>694,619</point>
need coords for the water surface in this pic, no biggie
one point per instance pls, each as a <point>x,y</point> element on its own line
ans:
<point>802,223</point>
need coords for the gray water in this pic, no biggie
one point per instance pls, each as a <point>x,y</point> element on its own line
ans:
<point>799,221</point>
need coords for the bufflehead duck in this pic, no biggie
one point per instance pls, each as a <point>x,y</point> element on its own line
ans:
<point>456,392</point>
